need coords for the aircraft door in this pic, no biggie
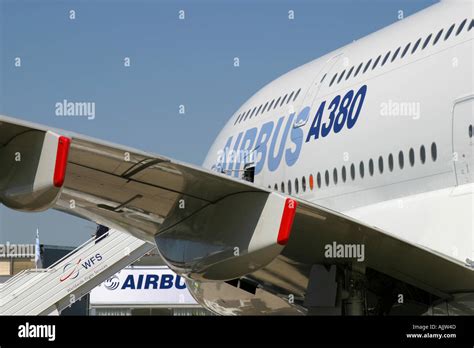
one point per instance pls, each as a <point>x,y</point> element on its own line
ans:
<point>463,117</point>
<point>311,94</point>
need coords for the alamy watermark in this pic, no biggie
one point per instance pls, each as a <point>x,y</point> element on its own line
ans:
<point>79,109</point>
<point>28,330</point>
<point>228,156</point>
<point>17,250</point>
<point>393,108</point>
<point>345,251</point>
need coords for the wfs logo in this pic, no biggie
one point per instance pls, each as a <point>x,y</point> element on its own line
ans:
<point>112,283</point>
<point>71,270</point>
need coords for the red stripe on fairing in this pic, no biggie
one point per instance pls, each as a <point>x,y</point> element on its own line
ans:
<point>61,161</point>
<point>287,221</point>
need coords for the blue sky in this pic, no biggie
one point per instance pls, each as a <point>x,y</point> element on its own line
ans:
<point>173,62</point>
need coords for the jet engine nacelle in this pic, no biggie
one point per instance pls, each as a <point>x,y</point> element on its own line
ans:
<point>237,235</point>
<point>33,168</point>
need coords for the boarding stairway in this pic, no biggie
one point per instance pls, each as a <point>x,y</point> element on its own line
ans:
<point>50,290</point>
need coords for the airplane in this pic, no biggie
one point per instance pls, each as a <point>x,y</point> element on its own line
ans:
<point>343,187</point>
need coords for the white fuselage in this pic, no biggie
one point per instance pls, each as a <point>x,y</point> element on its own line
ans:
<point>397,154</point>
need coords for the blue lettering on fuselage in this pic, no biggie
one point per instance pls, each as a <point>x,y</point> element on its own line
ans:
<point>261,145</point>
<point>269,144</point>
<point>297,138</point>
<point>275,160</point>
<point>246,148</point>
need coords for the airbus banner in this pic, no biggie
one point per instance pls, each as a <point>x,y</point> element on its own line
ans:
<point>143,286</point>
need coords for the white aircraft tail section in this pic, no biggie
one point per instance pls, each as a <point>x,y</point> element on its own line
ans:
<point>48,291</point>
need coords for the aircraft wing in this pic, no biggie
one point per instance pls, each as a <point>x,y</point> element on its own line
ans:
<point>207,225</point>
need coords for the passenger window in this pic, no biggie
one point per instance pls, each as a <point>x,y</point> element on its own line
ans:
<point>396,54</point>
<point>270,106</point>
<point>358,69</point>
<point>367,65</point>
<point>427,41</point>
<point>289,187</point>
<point>381,165</point>
<point>371,167</point>
<point>361,169</point>
<point>253,112</point>
<point>322,79</point>
<point>247,115</point>
<point>416,46</point>
<point>297,94</point>
<point>401,160</point>
<point>411,157</point>
<point>349,73</point>
<point>297,186</point>
<point>333,79</point>
<point>303,184</point>
<point>386,58</point>
<point>283,187</point>
<point>276,104</point>
<point>343,173</point>
<point>434,152</point>
<point>238,118</point>
<point>438,36</point>
<point>422,154</point>
<point>334,176</point>
<point>318,179</point>
<point>461,26</point>
<point>376,62</point>
<point>259,108</point>
<point>326,178</point>
<point>390,162</point>
<point>448,33</point>
<point>341,76</point>
<point>407,47</point>
<point>283,100</point>
<point>276,187</point>
<point>471,25</point>
<point>265,107</point>
<point>311,182</point>
<point>353,171</point>
<point>289,98</point>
